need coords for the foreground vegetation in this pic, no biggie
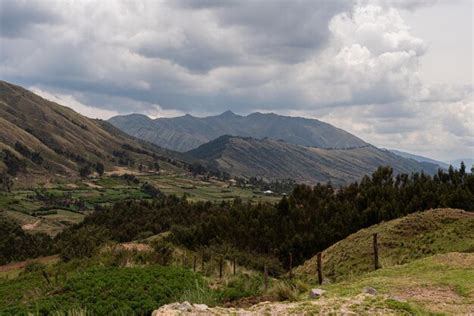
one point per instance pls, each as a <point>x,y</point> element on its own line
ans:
<point>436,285</point>
<point>116,282</point>
<point>136,278</point>
<point>158,236</point>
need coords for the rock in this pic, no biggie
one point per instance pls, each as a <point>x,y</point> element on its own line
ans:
<point>315,293</point>
<point>184,307</point>
<point>369,290</point>
<point>396,298</point>
<point>326,281</point>
<point>200,307</point>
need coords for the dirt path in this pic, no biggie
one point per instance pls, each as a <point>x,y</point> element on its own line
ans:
<point>22,264</point>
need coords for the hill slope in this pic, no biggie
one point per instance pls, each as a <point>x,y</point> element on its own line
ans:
<point>45,138</point>
<point>188,132</point>
<point>439,284</point>
<point>401,240</point>
<point>272,159</point>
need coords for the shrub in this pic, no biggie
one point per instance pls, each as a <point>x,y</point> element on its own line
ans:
<point>34,266</point>
<point>81,243</point>
<point>164,250</point>
<point>284,291</point>
<point>99,168</point>
<point>242,285</point>
<point>85,170</point>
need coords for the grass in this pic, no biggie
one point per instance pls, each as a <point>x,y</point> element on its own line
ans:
<point>423,283</point>
<point>400,241</point>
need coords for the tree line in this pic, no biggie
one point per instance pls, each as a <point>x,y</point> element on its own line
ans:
<point>303,223</point>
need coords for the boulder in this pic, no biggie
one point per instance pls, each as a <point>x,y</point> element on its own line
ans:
<point>315,293</point>
<point>200,307</point>
<point>369,290</point>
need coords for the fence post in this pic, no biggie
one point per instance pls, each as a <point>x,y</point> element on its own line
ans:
<point>233,262</point>
<point>291,266</point>
<point>194,263</point>
<point>265,277</point>
<point>220,267</point>
<point>320,268</point>
<point>376,252</point>
<point>202,263</point>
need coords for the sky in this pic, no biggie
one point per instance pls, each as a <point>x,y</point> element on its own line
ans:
<point>397,73</point>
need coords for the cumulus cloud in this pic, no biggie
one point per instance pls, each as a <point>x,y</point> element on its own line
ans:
<point>73,103</point>
<point>353,63</point>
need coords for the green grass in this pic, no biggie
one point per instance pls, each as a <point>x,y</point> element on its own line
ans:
<point>99,290</point>
<point>400,241</point>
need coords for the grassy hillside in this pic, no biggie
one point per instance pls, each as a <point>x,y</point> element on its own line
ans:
<point>43,138</point>
<point>401,241</point>
<point>437,285</point>
<point>273,159</point>
<point>187,132</point>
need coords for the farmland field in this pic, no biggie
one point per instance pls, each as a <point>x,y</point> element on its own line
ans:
<point>58,205</point>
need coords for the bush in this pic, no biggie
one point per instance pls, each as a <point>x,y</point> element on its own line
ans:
<point>242,285</point>
<point>34,266</point>
<point>151,190</point>
<point>13,163</point>
<point>99,168</point>
<point>198,294</point>
<point>164,251</point>
<point>284,291</point>
<point>81,243</point>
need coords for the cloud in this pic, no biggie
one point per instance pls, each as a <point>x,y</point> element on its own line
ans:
<point>17,17</point>
<point>354,63</point>
<point>73,103</point>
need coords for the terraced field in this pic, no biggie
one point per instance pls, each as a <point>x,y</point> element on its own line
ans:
<point>57,205</point>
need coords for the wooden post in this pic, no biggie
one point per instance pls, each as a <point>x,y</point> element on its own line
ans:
<point>220,267</point>
<point>265,277</point>
<point>233,262</point>
<point>291,266</point>
<point>202,263</point>
<point>320,268</point>
<point>185,261</point>
<point>376,252</point>
<point>45,275</point>
<point>194,263</point>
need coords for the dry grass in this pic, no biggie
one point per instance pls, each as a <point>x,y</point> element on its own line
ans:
<point>400,241</point>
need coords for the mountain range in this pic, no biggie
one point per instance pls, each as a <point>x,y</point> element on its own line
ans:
<point>273,159</point>
<point>188,132</point>
<point>42,138</point>
<point>419,158</point>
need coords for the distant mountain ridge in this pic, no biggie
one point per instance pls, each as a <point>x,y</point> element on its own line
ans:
<point>273,159</point>
<point>420,158</point>
<point>188,132</point>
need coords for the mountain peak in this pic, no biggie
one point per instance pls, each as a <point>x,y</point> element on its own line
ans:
<point>228,113</point>
<point>188,133</point>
